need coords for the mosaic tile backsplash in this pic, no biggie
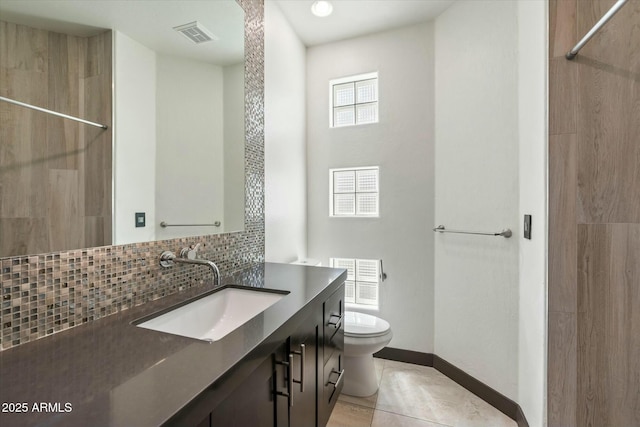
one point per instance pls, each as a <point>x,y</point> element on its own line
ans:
<point>47,293</point>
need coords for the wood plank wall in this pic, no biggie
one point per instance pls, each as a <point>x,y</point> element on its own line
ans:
<point>594,217</point>
<point>55,174</point>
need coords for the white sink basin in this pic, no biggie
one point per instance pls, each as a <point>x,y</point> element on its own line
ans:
<point>212,317</point>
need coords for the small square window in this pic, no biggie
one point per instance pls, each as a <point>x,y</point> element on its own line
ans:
<point>363,279</point>
<point>343,94</point>
<point>354,192</point>
<point>354,100</point>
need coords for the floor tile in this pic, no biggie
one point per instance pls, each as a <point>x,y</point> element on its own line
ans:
<point>418,392</point>
<point>424,393</point>
<point>349,415</point>
<point>475,412</point>
<point>387,419</point>
<point>416,396</point>
<point>367,402</point>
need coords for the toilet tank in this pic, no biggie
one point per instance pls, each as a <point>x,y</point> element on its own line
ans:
<point>307,261</point>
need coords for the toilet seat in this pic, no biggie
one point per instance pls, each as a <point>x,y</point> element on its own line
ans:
<point>361,325</point>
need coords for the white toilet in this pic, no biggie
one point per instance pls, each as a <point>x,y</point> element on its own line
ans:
<point>364,335</point>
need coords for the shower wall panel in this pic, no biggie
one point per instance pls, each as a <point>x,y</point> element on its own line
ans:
<point>594,217</point>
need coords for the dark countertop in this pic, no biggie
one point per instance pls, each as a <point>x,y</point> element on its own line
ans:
<point>112,373</point>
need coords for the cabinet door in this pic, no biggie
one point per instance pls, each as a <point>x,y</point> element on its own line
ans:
<point>281,386</point>
<point>251,404</point>
<point>303,347</point>
<point>296,377</point>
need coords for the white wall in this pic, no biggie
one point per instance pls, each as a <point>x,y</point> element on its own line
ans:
<point>189,154</point>
<point>234,141</point>
<point>135,139</point>
<point>476,277</point>
<point>532,92</point>
<point>402,145</point>
<point>285,150</point>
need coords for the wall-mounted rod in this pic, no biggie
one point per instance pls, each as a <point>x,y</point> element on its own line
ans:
<point>506,233</point>
<point>215,224</point>
<point>607,16</point>
<point>55,113</point>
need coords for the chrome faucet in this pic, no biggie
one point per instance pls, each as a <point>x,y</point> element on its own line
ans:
<point>188,256</point>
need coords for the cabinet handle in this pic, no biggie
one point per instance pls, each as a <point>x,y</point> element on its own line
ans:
<point>289,393</point>
<point>340,373</point>
<point>303,358</point>
<point>302,354</point>
<point>335,325</point>
<point>290,370</point>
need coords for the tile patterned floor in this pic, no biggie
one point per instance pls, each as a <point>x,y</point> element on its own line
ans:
<point>416,396</point>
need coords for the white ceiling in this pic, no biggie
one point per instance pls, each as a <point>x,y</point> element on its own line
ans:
<point>150,22</point>
<point>352,18</point>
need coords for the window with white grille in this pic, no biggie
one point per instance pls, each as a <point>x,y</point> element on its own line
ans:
<point>354,100</point>
<point>363,277</point>
<point>354,192</point>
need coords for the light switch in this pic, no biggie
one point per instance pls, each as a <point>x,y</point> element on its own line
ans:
<point>140,219</point>
<point>527,227</point>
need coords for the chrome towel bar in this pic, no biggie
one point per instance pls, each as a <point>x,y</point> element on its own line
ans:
<point>163,224</point>
<point>607,16</point>
<point>506,233</point>
<point>55,113</point>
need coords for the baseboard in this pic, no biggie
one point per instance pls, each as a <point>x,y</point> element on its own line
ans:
<point>480,389</point>
<point>520,418</point>
<point>406,356</point>
<point>494,398</point>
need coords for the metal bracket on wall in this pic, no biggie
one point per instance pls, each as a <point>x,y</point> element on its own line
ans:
<point>506,233</point>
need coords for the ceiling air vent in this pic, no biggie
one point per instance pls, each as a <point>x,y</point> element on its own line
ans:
<point>195,32</point>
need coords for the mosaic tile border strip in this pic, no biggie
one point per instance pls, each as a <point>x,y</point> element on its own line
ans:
<point>46,293</point>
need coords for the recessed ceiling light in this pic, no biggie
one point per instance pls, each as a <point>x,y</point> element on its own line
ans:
<point>321,8</point>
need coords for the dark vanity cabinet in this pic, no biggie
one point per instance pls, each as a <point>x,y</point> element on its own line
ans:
<point>296,379</point>
<point>332,369</point>
<point>297,385</point>
<point>251,404</point>
<point>281,392</point>
<point>314,397</point>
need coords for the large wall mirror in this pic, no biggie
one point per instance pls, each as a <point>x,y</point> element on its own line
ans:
<point>170,164</point>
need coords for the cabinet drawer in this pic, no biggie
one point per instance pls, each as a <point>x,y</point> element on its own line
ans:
<point>333,322</point>
<point>333,379</point>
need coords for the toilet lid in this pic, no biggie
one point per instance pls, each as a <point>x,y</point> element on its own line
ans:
<point>364,325</point>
